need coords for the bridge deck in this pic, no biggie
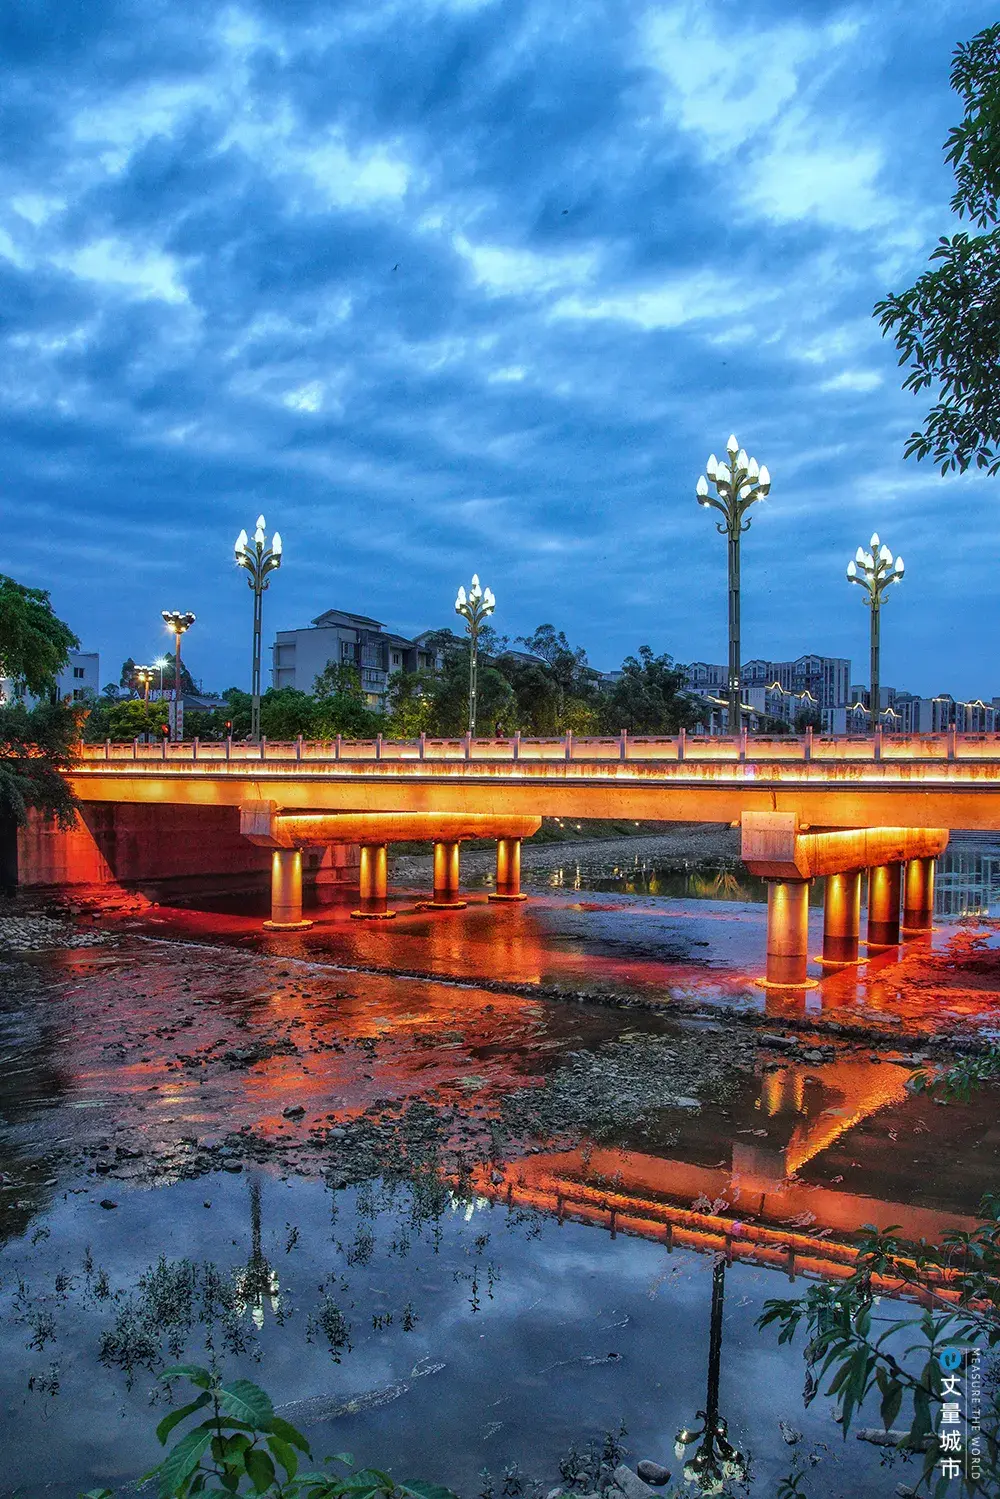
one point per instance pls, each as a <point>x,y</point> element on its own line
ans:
<point>940,781</point>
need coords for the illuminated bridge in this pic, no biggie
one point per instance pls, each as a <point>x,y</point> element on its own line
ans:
<point>809,806</point>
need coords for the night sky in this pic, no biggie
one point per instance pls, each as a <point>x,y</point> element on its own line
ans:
<point>477,286</point>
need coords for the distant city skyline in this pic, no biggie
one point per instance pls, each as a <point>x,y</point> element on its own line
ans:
<point>470,287</point>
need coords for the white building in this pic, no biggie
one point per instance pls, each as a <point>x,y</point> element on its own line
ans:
<point>342,638</point>
<point>78,682</point>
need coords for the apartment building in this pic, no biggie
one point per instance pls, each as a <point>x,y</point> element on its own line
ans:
<point>338,636</point>
<point>78,682</point>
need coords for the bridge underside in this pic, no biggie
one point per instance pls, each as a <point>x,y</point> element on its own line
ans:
<point>847,801</point>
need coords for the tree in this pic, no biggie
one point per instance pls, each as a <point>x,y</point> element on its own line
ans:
<point>648,697</point>
<point>340,704</point>
<point>34,643</point>
<point>36,746</point>
<point>411,704</point>
<point>947,325</point>
<point>134,719</point>
<point>808,718</point>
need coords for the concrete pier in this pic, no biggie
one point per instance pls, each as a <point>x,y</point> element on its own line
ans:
<point>286,891</point>
<point>373,903</point>
<point>446,876</point>
<point>918,895</point>
<point>842,917</point>
<point>508,886</point>
<point>787,931</point>
<point>884,886</point>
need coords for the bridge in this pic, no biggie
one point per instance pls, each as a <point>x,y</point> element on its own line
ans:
<point>799,800</point>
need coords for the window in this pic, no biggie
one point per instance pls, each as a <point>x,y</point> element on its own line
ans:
<point>79,672</point>
<point>396,658</point>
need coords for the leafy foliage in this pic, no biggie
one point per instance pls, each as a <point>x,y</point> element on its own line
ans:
<point>36,746</point>
<point>649,697</point>
<point>242,1447</point>
<point>899,1359</point>
<point>947,325</point>
<point>34,643</point>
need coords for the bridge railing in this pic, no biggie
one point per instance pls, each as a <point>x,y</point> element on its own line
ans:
<point>693,748</point>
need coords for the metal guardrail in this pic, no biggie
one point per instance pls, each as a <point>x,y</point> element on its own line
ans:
<point>622,748</point>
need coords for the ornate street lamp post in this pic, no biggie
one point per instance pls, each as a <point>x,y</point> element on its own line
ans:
<point>160,663</point>
<point>738,483</point>
<point>144,676</point>
<point>874,571</point>
<point>474,610</point>
<point>716,1462</point>
<point>260,560</point>
<point>178,623</point>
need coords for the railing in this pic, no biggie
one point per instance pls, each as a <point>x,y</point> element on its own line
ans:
<point>621,748</point>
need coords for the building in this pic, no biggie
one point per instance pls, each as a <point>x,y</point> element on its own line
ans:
<point>935,715</point>
<point>344,639</point>
<point>78,682</point>
<point>825,678</point>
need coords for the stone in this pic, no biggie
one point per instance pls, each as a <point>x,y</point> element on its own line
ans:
<point>631,1484</point>
<point>294,1111</point>
<point>692,1104</point>
<point>106,1202</point>
<point>654,1473</point>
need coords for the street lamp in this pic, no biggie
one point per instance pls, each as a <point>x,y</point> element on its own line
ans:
<point>144,676</point>
<point>178,623</point>
<point>738,483</point>
<point>260,560</point>
<point>160,663</point>
<point>874,571</point>
<point>716,1463</point>
<point>474,610</point>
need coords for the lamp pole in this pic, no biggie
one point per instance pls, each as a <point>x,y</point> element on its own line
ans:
<point>475,610</point>
<point>259,560</point>
<point>739,482</point>
<point>716,1462</point>
<point>178,623</point>
<point>875,571</point>
<point>144,676</point>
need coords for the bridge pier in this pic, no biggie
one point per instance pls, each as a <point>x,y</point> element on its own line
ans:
<point>918,895</point>
<point>787,932</point>
<point>842,917</point>
<point>446,876</point>
<point>508,886</point>
<point>373,881</point>
<point>286,891</point>
<point>884,885</point>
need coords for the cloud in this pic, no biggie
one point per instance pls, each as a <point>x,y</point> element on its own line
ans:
<point>461,285</point>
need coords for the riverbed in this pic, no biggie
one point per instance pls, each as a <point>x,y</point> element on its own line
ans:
<point>453,1187</point>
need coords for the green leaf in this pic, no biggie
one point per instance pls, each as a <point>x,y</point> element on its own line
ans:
<point>289,1433</point>
<point>891,1401</point>
<point>194,1372</point>
<point>285,1453</point>
<point>260,1468</point>
<point>247,1402</point>
<point>168,1423</point>
<point>182,1460</point>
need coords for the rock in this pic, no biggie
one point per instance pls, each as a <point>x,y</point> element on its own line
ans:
<point>812,1055</point>
<point>631,1484</point>
<point>782,1043</point>
<point>653,1473</point>
<point>790,1435</point>
<point>294,1111</point>
<point>683,1102</point>
<point>106,1202</point>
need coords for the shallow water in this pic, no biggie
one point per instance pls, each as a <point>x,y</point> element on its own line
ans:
<point>520,1221</point>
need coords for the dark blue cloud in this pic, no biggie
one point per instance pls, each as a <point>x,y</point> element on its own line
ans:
<point>477,285</point>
